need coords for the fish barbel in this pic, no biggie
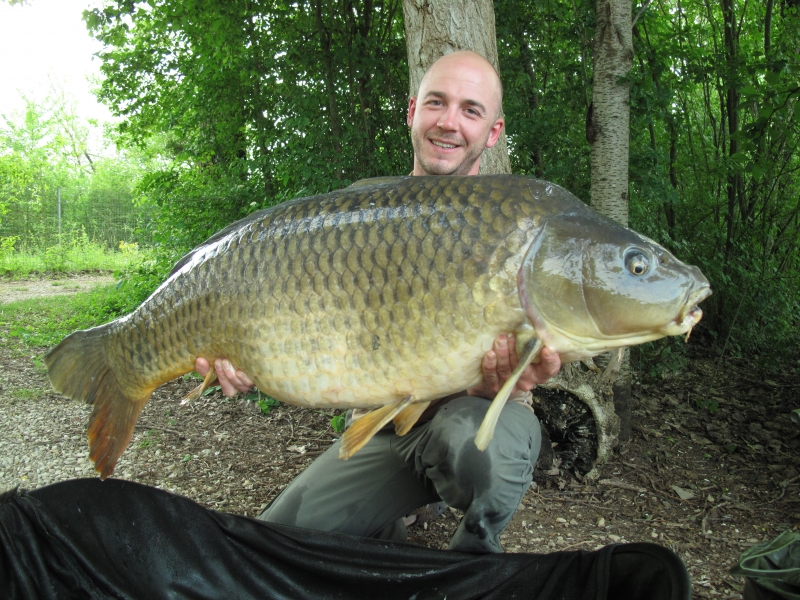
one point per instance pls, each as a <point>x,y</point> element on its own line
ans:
<point>383,295</point>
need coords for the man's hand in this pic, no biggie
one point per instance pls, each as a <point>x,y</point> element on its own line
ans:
<point>499,362</point>
<point>231,380</point>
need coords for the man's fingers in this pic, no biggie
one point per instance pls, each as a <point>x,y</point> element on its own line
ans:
<point>245,381</point>
<point>230,380</point>
<point>549,365</point>
<point>504,366</point>
<point>489,368</point>
<point>202,366</point>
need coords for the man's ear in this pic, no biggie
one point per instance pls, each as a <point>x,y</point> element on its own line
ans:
<point>412,108</point>
<point>494,132</point>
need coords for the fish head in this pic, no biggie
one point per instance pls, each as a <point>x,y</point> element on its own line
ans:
<point>590,285</point>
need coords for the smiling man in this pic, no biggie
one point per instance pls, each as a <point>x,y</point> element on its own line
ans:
<point>454,118</point>
<point>455,115</point>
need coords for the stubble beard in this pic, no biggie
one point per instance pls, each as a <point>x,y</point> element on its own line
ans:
<point>436,167</point>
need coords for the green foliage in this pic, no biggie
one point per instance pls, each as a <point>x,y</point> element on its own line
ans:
<point>46,321</point>
<point>265,403</point>
<point>714,174</point>
<point>543,50</point>
<point>338,422</point>
<point>75,255</point>
<point>708,404</point>
<point>7,244</point>
<point>257,101</point>
<point>660,359</point>
<point>62,207</point>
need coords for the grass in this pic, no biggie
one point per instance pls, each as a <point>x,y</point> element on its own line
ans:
<point>26,394</point>
<point>46,321</point>
<point>79,254</point>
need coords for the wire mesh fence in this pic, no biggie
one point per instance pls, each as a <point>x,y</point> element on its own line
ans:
<point>64,236</point>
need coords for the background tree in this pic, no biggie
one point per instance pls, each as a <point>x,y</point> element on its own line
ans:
<point>434,29</point>
<point>608,134</point>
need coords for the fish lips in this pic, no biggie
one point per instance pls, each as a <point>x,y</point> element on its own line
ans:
<point>691,314</point>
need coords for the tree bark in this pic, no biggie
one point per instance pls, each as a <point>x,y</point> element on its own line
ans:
<point>610,111</point>
<point>436,28</point>
<point>608,133</point>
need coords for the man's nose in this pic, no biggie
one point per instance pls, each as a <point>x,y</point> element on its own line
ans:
<point>448,119</point>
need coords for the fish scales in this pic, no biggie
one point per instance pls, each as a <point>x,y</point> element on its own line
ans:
<point>445,306</point>
<point>357,298</point>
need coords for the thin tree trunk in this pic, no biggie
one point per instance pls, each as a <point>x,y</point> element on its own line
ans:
<point>734,179</point>
<point>610,113</point>
<point>608,132</point>
<point>327,57</point>
<point>434,29</point>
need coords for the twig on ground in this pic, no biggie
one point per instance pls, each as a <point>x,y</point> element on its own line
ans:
<point>622,485</point>
<point>646,430</point>
<point>313,453</point>
<point>784,484</point>
<point>577,544</point>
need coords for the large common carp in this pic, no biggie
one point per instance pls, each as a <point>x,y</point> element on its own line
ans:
<point>383,295</point>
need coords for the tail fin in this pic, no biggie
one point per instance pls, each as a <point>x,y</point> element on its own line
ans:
<point>78,369</point>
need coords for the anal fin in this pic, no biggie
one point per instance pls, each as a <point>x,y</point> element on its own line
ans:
<point>210,379</point>
<point>486,430</point>
<point>407,417</point>
<point>360,432</point>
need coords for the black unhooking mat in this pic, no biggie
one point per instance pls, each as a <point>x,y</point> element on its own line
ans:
<point>115,539</point>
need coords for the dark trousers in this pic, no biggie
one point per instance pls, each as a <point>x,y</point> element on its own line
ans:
<point>369,494</point>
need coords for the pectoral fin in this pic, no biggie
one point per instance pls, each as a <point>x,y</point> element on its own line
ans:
<point>211,378</point>
<point>486,430</point>
<point>612,368</point>
<point>360,432</point>
<point>407,417</point>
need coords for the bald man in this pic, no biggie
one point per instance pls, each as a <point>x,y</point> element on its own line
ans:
<point>456,114</point>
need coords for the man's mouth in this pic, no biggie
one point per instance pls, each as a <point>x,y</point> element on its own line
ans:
<point>444,145</point>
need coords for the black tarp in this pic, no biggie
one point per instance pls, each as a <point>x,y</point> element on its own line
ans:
<point>116,539</point>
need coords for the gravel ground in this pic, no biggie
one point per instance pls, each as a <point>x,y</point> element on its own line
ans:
<point>712,467</point>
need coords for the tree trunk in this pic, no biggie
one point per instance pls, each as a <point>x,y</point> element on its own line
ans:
<point>436,28</point>
<point>610,113</point>
<point>608,133</point>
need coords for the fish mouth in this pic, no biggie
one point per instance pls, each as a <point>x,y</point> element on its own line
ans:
<point>691,314</point>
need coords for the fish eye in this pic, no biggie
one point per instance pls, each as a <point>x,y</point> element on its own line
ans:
<point>637,262</point>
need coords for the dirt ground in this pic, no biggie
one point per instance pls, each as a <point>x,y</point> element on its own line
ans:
<point>12,291</point>
<point>711,469</point>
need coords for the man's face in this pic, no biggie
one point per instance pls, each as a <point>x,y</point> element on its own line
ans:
<point>455,116</point>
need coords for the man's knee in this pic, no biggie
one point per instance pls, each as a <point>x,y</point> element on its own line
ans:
<point>461,472</point>
<point>460,419</point>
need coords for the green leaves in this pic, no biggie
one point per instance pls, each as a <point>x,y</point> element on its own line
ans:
<point>338,422</point>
